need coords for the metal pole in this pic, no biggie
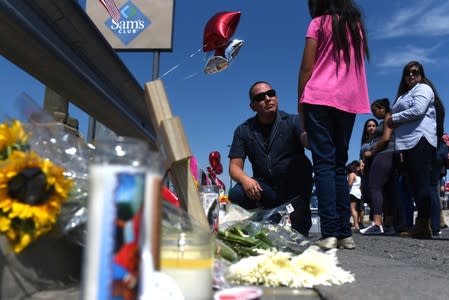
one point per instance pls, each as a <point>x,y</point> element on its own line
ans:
<point>156,60</point>
<point>91,129</point>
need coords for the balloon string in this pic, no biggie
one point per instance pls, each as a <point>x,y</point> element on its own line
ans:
<point>183,62</point>
<point>191,75</point>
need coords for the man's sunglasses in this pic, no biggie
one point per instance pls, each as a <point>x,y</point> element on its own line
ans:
<point>413,73</point>
<point>261,96</point>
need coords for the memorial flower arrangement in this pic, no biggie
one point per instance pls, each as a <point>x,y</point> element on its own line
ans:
<point>33,188</point>
<point>277,268</point>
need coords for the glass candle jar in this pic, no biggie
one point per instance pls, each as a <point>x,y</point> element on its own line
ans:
<point>119,184</point>
<point>210,199</point>
<point>188,258</point>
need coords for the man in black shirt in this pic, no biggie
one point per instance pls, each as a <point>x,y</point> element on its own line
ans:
<point>271,140</point>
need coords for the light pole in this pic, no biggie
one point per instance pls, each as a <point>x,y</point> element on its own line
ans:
<point>230,178</point>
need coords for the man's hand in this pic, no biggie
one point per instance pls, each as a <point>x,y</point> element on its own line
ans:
<point>252,188</point>
<point>305,140</point>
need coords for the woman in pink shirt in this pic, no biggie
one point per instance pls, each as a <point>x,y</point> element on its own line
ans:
<point>332,89</point>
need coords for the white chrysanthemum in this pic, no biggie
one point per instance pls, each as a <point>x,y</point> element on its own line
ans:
<point>320,268</point>
<point>276,268</point>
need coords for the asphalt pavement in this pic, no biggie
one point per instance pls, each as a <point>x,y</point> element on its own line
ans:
<point>385,267</point>
<point>392,267</point>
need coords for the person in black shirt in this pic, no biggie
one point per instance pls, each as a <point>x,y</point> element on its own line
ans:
<point>271,140</point>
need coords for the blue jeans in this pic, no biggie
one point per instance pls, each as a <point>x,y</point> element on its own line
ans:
<point>440,160</point>
<point>329,131</point>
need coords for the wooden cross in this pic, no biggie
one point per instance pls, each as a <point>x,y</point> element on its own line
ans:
<point>175,149</point>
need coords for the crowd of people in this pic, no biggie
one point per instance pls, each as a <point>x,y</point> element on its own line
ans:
<point>405,158</point>
<point>401,154</point>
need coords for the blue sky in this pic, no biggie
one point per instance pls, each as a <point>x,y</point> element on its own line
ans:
<point>211,106</point>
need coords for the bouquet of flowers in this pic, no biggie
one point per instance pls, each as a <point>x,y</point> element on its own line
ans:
<point>37,181</point>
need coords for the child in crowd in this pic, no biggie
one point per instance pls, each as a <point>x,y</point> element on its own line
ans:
<point>332,89</point>
<point>355,192</point>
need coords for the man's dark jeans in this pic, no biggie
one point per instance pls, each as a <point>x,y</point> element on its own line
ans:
<point>301,216</point>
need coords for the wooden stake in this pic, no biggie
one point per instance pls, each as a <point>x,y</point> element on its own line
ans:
<point>175,148</point>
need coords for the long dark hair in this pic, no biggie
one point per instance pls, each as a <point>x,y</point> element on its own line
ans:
<point>346,16</point>
<point>403,88</point>
<point>353,167</point>
<point>439,109</point>
<point>365,136</point>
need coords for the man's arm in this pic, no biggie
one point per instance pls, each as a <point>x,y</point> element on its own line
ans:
<point>250,186</point>
<point>236,169</point>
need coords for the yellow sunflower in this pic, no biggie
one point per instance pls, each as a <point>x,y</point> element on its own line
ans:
<point>31,192</point>
<point>12,138</point>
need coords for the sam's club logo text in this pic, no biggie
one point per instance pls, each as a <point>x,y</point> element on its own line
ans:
<point>132,23</point>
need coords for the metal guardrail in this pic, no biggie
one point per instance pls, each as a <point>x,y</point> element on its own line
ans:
<point>57,43</point>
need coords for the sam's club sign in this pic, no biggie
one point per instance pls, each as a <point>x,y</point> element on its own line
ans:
<point>132,23</point>
<point>143,24</point>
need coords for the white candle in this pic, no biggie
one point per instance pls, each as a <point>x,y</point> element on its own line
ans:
<point>194,283</point>
<point>191,266</point>
<point>100,241</point>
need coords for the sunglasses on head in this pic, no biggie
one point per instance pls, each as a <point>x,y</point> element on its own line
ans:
<point>261,96</point>
<point>413,73</point>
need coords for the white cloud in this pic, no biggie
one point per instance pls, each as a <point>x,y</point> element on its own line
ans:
<point>398,57</point>
<point>419,18</point>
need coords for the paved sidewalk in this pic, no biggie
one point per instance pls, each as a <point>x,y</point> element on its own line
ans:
<point>388,267</point>
<point>387,278</point>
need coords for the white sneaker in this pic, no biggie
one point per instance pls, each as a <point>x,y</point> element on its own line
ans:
<point>366,228</point>
<point>373,230</point>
